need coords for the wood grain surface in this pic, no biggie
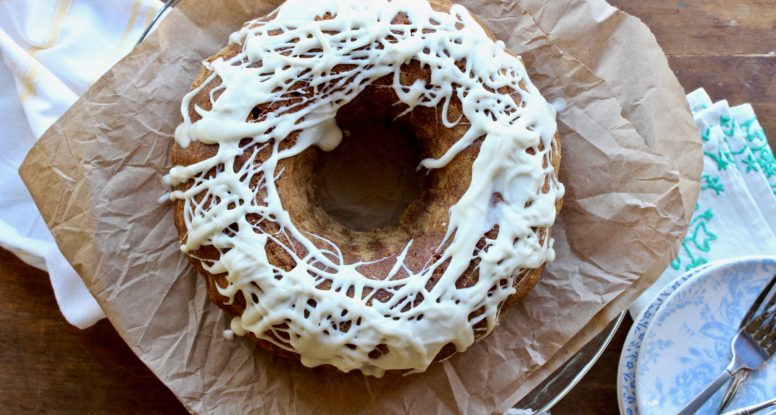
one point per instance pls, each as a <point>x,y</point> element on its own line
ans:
<point>47,366</point>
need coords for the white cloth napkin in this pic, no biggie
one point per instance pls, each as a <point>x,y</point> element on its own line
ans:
<point>736,212</point>
<point>53,50</point>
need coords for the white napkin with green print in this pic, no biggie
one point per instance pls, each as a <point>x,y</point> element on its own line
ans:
<point>736,212</point>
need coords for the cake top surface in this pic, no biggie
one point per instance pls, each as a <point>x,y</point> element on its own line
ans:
<point>345,325</point>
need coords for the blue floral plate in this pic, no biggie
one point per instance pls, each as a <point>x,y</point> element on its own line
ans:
<point>626,372</point>
<point>687,343</point>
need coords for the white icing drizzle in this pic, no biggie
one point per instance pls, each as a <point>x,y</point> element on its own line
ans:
<point>330,326</point>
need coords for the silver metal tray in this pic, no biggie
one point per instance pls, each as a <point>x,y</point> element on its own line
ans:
<point>560,382</point>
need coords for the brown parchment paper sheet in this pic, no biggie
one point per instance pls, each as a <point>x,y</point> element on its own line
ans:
<point>631,166</point>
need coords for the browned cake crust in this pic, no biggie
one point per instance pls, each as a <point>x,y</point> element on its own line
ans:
<point>368,116</point>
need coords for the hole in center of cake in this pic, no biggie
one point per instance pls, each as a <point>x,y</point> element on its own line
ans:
<point>370,179</point>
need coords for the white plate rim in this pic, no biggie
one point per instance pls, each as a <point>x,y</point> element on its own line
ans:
<point>639,327</point>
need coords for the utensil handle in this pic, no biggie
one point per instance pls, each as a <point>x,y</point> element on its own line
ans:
<point>749,410</point>
<point>738,380</point>
<point>707,393</point>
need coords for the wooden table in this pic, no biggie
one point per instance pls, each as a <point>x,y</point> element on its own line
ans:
<point>728,47</point>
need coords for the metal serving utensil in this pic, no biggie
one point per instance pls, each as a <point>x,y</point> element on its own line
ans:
<point>751,410</point>
<point>752,347</point>
<point>743,374</point>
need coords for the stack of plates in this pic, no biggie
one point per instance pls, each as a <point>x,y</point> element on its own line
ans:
<point>682,340</point>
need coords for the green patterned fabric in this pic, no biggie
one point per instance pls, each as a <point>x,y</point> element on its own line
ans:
<point>736,212</point>
<point>697,244</point>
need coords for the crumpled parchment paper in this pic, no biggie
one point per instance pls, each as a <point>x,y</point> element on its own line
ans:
<point>631,166</point>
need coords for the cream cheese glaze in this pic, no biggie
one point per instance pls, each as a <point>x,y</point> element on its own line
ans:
<point>342,325</point>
